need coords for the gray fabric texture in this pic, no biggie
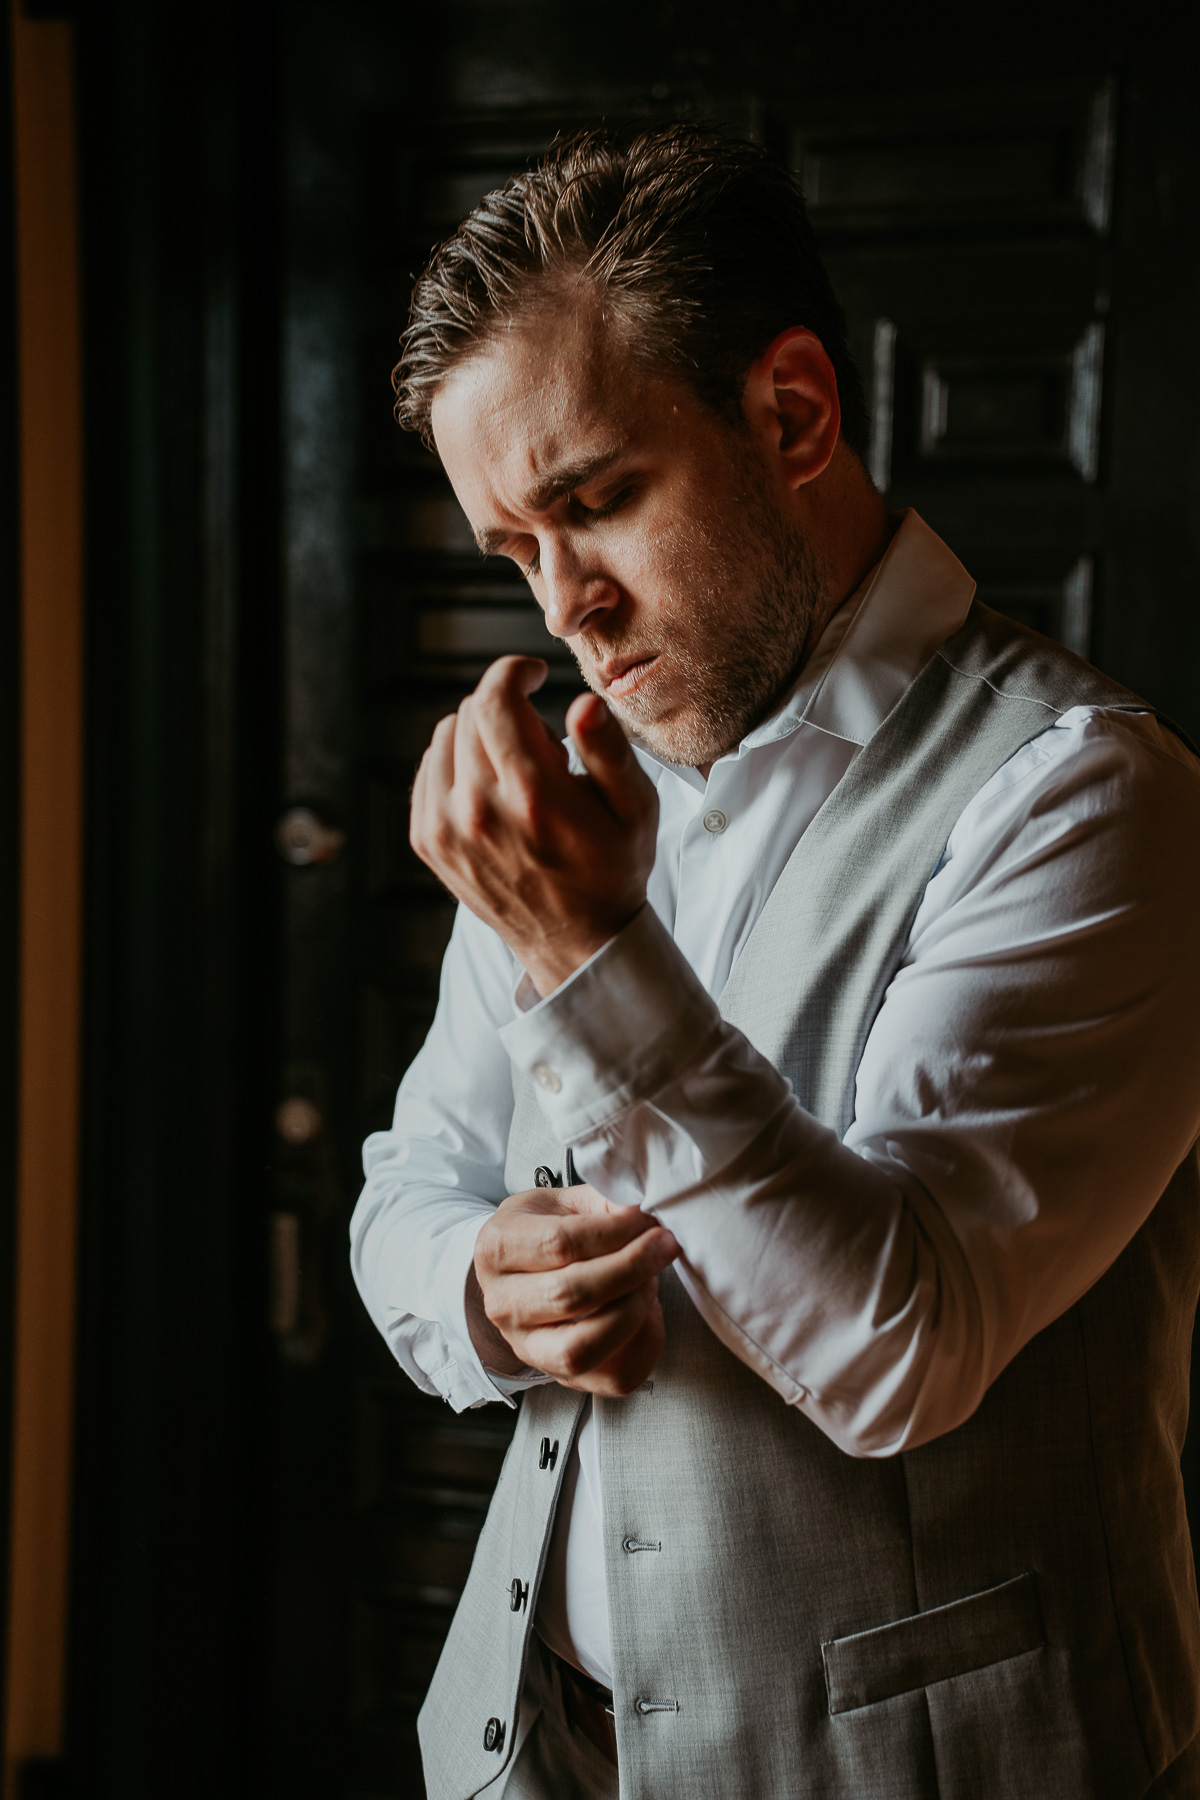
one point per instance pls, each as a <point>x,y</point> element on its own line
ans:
<point>934,1646</point>
<point>480,1674</point>
<point>1060,1498</point>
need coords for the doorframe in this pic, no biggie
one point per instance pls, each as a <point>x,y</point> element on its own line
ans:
<point>10,644</point>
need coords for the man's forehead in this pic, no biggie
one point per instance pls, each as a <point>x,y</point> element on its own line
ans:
<point>547,367</point>
<point>540,413</point>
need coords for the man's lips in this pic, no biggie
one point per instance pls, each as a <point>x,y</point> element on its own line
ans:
<point>624,673</point>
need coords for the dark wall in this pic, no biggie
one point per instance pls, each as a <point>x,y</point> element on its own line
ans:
<point>178,183</point>
<point>1151,617</point>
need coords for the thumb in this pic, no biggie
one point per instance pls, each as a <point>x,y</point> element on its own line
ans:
<point>583,1198</point>
<point>604,751</point>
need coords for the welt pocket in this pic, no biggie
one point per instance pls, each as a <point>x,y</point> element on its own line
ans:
<point>933,1646</point>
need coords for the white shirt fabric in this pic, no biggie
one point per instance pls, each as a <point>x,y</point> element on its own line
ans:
<point>1029,1085</point>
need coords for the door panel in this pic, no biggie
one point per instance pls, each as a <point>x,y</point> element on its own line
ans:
<point>999,155</point>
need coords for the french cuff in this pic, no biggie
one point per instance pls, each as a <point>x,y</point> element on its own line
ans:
<point>471,1384</point>
<point>619,1028</point>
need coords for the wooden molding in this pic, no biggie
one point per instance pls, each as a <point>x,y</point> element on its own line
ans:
<point>51,510</point>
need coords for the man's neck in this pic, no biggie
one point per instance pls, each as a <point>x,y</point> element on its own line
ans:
<point>862,530</point>
<point>850,528</point>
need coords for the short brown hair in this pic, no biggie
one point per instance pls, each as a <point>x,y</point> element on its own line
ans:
<point>699,244</point>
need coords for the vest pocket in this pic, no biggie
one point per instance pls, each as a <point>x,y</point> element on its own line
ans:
<point>933,1646</point>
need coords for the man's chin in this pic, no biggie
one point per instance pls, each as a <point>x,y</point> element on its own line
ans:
<point>682,738</point>
<point>671,724</point>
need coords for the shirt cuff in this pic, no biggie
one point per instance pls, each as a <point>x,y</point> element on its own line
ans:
<point>619,1028</point>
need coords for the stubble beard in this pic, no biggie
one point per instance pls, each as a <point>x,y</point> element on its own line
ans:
<point>736,635</point>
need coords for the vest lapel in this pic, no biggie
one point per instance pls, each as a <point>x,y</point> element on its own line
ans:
<point>839,916</point>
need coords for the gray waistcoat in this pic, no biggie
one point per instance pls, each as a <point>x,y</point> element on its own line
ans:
<point>1009,1611</point>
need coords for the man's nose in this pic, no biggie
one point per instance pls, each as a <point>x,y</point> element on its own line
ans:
<point>576,588</point>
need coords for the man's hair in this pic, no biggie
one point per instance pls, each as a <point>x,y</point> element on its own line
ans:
<point>697,245</point>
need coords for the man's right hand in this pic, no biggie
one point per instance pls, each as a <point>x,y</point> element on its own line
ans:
<point>565,1282</point>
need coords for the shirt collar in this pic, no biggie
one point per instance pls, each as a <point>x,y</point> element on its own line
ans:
<point>875,646</point>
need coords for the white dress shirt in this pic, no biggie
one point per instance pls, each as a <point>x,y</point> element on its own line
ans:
<point>1030,1083</point>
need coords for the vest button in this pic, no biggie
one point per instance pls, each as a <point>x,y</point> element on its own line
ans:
<point>547,1454</point>
<point>493,1735</point>
<point>546,1177</point>
<point>715,822</point>
<point>519,1590</point>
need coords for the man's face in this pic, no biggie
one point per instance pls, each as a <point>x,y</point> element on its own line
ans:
<point>653,534</point>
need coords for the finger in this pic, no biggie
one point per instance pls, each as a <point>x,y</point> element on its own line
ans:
<point>571,1351</point>
<point>578,1246</point>
<point>582,1197</point>
<point>589,1203</point>
<point>605,753</point>
<point>578,1200</point>
<point>634,1361</point>
<point>519,676</point>
<point>438,760</point>
<point>534,1236</point>
<point>473,767</point>
<point>431,789</point>
<point>512,731</point>
<point>523,1301</point>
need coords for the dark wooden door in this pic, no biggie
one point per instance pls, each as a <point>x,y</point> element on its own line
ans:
<point>1005,238</point>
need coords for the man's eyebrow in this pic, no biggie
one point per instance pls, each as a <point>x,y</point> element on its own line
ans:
<point>568,476</point>
<point>553,485</point>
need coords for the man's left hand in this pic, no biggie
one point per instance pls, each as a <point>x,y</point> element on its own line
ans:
<point>555,863</point>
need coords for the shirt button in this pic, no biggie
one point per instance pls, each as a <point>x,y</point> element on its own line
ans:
<point>547,1078</point>
<point>715,822</point>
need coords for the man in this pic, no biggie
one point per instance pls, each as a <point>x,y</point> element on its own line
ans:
<point>809,1120</point>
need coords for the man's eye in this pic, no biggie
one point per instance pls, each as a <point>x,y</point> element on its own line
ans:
<point>613,504</point>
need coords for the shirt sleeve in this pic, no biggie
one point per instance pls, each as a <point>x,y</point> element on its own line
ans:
<point>438,1174</point>
<point>1027,1089</point>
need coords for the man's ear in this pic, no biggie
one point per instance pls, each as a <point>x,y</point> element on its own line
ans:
<point>791,401</point>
